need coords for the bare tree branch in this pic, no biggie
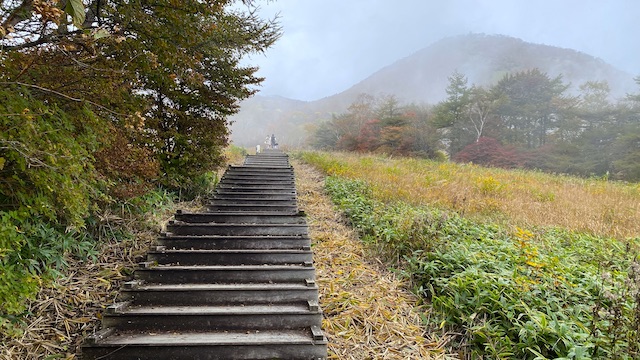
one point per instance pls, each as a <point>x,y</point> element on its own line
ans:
<point>43,39</point>
<point>25,152</point>
<point>19,14</point>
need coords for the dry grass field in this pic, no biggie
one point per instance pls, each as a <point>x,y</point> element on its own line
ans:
<point>511,264</point>
<point>522,198</point>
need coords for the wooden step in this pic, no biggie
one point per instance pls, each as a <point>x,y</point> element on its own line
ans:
<point>256,187</point>
<point>230,229</point>
<point>212,317</point>
<point>225,274</point>
<point>218,242</point>
<point>244,218</point>
<point>140,293</point>
<point>230,257</point>
<point>221,345</point>
<point>252,201</point>
<point>288,209</point>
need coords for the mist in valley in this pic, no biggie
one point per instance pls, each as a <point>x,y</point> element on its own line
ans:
<point>333,51</point>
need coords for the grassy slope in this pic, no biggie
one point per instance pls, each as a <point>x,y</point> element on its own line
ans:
<point>68,309</point>
<point>522,198</point>
<point>511,281</point>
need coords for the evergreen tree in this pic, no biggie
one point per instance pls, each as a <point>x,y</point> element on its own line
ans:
<point>530,106</point>
<point>451,115</point>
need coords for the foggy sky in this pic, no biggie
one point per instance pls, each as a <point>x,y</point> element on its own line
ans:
<point>330,45</point>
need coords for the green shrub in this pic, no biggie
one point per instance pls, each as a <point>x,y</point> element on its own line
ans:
<point>46,158</point>
<point>509,293</point>
<point>47,184</point>
<point>49,189</point>
<point>33,251</point>
<point>204,184</point>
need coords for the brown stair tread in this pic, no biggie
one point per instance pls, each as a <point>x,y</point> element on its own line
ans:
<point>217,310</point>
<point>206,338</point>
<point>231,251</point>
<point>224,286</point>
<point>170,236</point>
<point>230,267</point>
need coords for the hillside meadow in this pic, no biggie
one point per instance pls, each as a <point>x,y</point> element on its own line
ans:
<point>509,264</point>
<point>516,197</point>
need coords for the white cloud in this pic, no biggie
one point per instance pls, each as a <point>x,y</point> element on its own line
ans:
<point>329,45</point>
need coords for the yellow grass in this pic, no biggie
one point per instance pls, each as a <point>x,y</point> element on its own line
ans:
<point>524,198</point>
<point>234,155</point>
<point>368,311</point>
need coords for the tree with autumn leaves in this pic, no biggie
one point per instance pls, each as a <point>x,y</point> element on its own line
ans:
<point>532,122</point>
<point>164,74</point>
<point>379,124</point>
<point>101,100</point>
<point>525,120</point>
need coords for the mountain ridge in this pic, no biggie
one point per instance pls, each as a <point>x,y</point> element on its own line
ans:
<point>422,78</point>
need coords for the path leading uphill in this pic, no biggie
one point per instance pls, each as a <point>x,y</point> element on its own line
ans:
<point>235,282</point>
<point>368,313</point>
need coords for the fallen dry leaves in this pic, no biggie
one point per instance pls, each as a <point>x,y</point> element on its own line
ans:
<point>369,313</point>
<point>70,308</point>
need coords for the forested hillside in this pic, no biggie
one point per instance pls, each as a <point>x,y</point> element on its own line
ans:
<point>422,78</point>
<point>527,119</point>
<point>101,102</point>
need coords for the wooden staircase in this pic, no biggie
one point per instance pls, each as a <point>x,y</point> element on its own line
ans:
<point>235,282</point>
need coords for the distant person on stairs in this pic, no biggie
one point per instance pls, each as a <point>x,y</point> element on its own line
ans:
<point>272,142</point>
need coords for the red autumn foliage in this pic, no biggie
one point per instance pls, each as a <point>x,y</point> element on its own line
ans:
<point>132,167</point>
<point>489,152</point>
<point>369,137</point>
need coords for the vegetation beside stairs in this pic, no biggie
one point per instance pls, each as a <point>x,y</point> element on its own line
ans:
<point>369,313</point>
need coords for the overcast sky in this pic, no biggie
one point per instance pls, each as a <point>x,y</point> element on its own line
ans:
<point>330,45</point>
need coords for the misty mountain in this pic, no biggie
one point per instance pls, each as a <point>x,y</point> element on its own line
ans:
<point>261,116</point>
<point>422,78</point>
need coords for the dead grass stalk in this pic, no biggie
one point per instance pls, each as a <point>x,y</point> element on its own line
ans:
<point>69,309</point>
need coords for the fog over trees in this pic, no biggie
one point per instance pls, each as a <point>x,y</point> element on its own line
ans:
<point>527,119</point>
<point>422,78</point>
